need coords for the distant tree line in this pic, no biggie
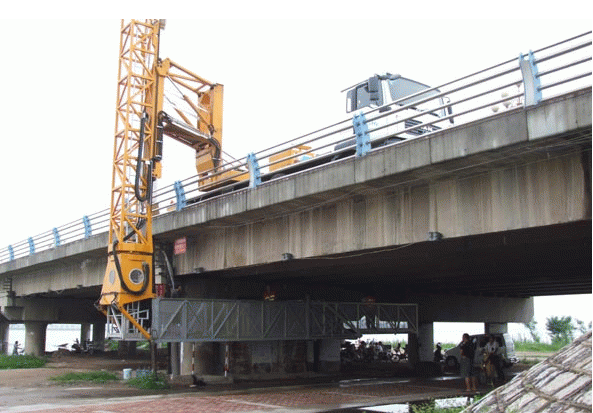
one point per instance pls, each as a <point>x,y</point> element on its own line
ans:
<point>561,329</point>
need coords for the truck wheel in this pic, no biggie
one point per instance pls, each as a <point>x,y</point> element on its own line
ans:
<point>452,363</point>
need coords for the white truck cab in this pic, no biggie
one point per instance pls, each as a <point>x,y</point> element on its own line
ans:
<point>388,92</point>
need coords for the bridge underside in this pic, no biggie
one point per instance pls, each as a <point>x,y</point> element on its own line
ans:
<point>518,263</point>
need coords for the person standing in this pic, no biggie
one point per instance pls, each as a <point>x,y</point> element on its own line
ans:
<point>466,364</point>
<point>492,350</point>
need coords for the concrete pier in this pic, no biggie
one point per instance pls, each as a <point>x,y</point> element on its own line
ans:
<point>35,338</point>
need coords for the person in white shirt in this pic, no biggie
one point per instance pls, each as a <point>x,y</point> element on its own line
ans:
<point>492,346</point>
<point>492,352</point>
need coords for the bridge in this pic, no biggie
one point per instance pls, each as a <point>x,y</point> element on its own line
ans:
<point>467,221</point>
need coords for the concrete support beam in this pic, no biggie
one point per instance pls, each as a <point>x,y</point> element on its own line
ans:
<point>35,338</point>
<point>53,310</point>
<point>457,308</point>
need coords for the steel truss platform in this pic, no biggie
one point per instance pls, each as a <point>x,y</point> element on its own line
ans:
<point>218,320</point>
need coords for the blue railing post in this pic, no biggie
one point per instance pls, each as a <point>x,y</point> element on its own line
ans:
<point>10,253</point>
<point>531,81</point>
<point>361,129</point>
<point>31,246</point>
<point>87,227</point>
<point>254,172</point>
<point>56,237</point>
<point>179,195</point>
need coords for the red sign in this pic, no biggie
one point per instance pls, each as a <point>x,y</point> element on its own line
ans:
<point>180,246</point>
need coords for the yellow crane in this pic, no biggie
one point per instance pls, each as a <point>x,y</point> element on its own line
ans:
<point>145,85</point>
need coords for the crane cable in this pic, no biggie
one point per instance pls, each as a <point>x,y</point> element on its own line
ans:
<point>140,165</point>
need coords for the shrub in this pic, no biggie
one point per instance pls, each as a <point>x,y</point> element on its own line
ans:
<point>561,329</point>
<point>150,382</point>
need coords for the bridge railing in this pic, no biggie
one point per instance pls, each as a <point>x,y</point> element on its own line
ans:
<point>516,83</point>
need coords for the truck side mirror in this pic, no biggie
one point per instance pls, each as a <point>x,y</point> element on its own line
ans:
<point>350,101</point>
<point>374,89</point>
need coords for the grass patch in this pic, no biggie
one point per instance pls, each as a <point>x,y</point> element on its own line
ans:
<point>448,346</point>
<point>21,362</point>
<point>532,346</point>
<point>529,362</point>
<point>431,408</point>
<point>92,376</point>
<point>150,382</point>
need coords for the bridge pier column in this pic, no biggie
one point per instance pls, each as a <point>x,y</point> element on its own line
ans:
<point>35,338</point>
<point>99,335</point>
<point>425,342</point>
<point>85,332</point>
<point>412,349</point>
<point>329,355</point>
<point>491,328</point>
<point>175,359</point>
<point>4,327</point>
<point>206,358</point>
<point>126,349</point>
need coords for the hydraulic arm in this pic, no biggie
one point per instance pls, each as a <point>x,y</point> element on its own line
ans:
<point>154,98</point>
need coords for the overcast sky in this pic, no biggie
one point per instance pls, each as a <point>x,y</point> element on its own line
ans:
<point>282,78</point>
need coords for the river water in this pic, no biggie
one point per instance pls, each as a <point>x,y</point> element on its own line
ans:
<point>56,335</point>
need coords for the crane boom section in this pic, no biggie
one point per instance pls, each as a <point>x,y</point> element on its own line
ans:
<point>192,111</point>
<point>136,163</point>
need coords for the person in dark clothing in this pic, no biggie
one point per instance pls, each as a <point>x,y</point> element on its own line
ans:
<point>438,354</point>
<point>466,367</point>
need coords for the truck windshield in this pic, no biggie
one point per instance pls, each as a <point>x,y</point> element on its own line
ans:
<point>402,87</point>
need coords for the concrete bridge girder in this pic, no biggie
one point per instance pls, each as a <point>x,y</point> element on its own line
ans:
<point>51,310</point>
<point>548,192</point>
<point>472,309</point>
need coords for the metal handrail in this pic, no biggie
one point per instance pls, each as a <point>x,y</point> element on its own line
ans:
<point>471,96</point>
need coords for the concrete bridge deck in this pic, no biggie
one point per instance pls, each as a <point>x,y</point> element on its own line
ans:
<point>512,188</point>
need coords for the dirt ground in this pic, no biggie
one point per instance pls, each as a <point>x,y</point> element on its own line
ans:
<point>32,390</point>
<point>65,362</point>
